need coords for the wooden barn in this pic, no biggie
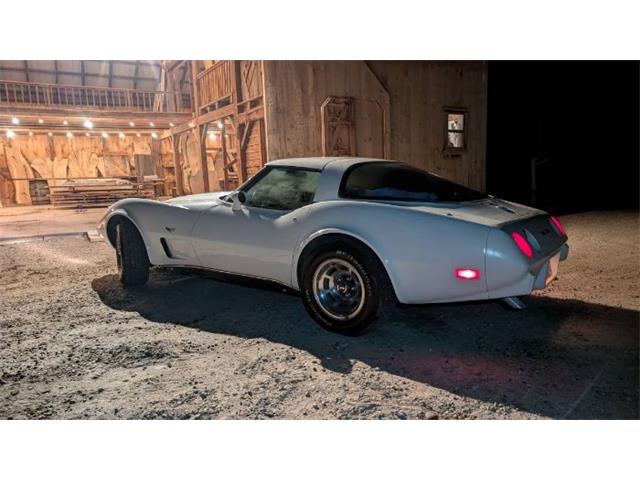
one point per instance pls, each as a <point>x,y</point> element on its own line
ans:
<point>82,133</point>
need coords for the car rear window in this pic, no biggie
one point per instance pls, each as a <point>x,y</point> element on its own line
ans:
<point>390,181</point>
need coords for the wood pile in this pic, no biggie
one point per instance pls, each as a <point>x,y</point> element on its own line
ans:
<point>99,192</point>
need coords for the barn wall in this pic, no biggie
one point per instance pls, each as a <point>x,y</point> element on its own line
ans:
<point>420,92</point>
<point>295,91</point>
<point>57,158</point>
<point>399,111</point>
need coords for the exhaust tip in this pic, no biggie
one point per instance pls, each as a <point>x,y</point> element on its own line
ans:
<point>514,303</point>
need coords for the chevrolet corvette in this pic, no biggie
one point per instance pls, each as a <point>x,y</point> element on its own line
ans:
<point>353,236</point>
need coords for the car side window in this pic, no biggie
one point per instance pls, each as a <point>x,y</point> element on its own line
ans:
<point>283,188</point>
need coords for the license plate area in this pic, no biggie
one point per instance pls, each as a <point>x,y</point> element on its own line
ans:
<point>552,270</point>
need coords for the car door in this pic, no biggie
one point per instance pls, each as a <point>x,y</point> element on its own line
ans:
<point>259,238</point>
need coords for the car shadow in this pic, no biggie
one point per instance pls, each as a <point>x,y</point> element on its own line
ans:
<point>558,358</point>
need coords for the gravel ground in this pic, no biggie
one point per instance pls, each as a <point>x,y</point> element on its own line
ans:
<point>75,344</point>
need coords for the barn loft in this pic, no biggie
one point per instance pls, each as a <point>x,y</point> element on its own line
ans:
<point>85,133</point>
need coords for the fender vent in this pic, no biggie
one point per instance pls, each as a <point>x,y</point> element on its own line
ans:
<point>165,247</point>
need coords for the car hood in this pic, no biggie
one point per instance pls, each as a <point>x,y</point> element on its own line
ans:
<point>198,201</point>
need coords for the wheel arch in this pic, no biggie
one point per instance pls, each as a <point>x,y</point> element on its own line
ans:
<point>322,237</point>
<point>110,225</point>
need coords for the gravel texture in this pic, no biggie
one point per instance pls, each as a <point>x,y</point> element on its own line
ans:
<point>75,344</point>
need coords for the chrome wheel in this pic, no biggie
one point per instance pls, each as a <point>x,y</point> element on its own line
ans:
<point>338,289</point>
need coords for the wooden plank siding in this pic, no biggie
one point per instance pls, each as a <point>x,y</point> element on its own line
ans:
<point>420,94</point>
<point>399,109</point>
<point>295,92</point>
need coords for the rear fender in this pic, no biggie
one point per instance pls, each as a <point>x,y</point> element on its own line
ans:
<point>329,231</point>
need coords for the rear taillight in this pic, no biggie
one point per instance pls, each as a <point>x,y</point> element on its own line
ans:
<point>556,223</point>
<point>522,244</point>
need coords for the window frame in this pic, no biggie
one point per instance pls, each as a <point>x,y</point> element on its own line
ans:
<point>264,172</point>
<point>465,118</point>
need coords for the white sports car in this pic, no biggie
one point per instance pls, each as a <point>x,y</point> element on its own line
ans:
<point>352,235</point>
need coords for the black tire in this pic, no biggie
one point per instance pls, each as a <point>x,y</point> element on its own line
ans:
<point>131,255</point>
<point>379,297</point>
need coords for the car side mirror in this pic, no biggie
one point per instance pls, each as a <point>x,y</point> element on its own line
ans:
<point>237,198</point>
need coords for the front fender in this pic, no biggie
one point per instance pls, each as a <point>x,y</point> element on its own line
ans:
<point>121,211</point>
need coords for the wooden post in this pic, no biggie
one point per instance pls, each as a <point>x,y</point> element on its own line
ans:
<point>242,132</point>
<point>177,165</point>
<point>195,100</point>
<point>223,144</point>
<point>202,150</point>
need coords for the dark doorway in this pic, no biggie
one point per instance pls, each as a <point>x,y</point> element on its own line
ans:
<point>578,119</point>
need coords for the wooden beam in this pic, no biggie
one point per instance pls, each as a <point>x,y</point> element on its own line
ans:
<point>82,80</point>
<point>223,144</point>
<point>55,68</point>
<point>73,74</point>
<point>26,70</point>
<point>236,82</point>
<point>184,75</point>
<point>135,74</point>
<point>202,151</point>
<point>110,73</point>
<point>177,164</point>
<point>173,64</point>
<point>195,101</point>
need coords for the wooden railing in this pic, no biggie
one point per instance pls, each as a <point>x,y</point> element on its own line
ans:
<point>92,98</point>
<point>215,85</point>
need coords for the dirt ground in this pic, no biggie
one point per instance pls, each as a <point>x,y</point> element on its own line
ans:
<point>75,344</point>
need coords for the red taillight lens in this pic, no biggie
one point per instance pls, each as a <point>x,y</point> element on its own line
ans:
<point>558,225</point>
<point>467,274</point>
<point>522,244</point>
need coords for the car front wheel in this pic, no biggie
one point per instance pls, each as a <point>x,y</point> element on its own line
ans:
<point>131,255</point>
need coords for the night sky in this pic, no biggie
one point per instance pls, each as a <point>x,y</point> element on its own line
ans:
<point>582,116</point>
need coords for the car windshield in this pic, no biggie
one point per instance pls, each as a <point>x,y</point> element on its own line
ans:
<point>282,188</point>
<point>391,181</point>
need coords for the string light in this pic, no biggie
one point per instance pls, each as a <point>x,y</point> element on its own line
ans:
<point>11,134</point>
<point>65,123</point>
<point>171,124</point>
<point>86,134</point>
<point>121,135</point>
<point>31,134</point>
<point>15,121</point>
<point>88,123</point>
<point>131,124</point>
<point>154,135</point>
<point>191,124</point>
<point>220,125</point>
<point>105,135</point>
<point>69,134</point>
<point>50,134</point>
<point>151,124</point>
<point>137,134</point>
<point>40,121</point>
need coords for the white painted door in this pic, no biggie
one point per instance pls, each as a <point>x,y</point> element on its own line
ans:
<point>258,239</point>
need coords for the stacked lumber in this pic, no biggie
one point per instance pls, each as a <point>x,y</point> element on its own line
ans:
<point>98,192</point>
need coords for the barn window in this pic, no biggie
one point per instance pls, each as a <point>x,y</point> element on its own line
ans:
<point>456,121</point>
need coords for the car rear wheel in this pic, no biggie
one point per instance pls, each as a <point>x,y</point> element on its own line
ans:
<point>345,290</point>
<point>131,255</point>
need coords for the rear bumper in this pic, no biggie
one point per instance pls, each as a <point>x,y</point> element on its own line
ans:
<point>548,271</point>
<point>512,275</point>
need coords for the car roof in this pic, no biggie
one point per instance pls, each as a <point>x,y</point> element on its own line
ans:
<point>333,169</point>
<point>319,163</point>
